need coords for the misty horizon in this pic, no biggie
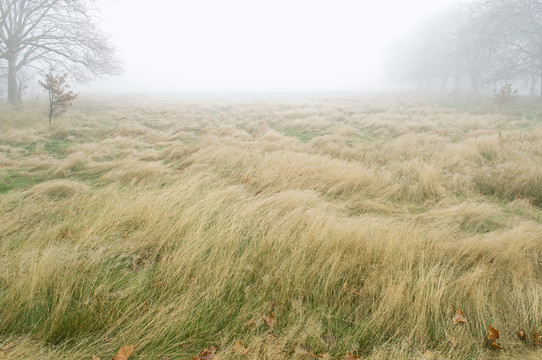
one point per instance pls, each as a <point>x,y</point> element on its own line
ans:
<point>242,47</point>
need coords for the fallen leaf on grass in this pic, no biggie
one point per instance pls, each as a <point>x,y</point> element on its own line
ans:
<point>496,346</point>
<point>493,335</point>
<point>239,348</point>
<point>206,354</point>
<point>536,339</point>
<point>7,347</point>
<point>324,356</point>
<point>270,320</point>
<point>459,317</point>
<point>351,356</point>
<point>124,353</point>
<point>522,335</point>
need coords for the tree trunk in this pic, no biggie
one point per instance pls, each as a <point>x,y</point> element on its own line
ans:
<point>474,83</point>
<point>50,107</point>
<point>13,87</point>
<point>532,91</point>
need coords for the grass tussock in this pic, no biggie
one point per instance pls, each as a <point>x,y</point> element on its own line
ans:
<point>57,189</point>
<point>362,224</point>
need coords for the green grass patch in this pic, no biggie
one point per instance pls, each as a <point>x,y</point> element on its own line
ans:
<point>56,148</point>
<point>13,179</point>
<point>303,135</point>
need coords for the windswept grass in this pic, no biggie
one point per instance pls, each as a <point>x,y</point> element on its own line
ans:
<point>363,224</point>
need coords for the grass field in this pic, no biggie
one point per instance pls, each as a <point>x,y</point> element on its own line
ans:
<point>362,224</point>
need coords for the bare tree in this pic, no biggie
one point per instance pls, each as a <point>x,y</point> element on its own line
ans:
<point>518,29</point>
<point>60,34</point>
<point>494,42</point>
<point>427,54</point>
<point>3,68</point>
<point>451,43</point>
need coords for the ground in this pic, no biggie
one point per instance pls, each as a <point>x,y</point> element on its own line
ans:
<point>296,226</point>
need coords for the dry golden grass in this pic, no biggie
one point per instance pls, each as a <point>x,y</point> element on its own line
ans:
<point>363,224</point>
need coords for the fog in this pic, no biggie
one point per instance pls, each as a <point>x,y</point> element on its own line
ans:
<point>255,46</point>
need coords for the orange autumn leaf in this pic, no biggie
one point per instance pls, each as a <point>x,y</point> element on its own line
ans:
<point>496,346</point>
<point>239,348</point>
<point>206,354</point>
<point>270,320</point>
<point>124,353</point>
<point>522,335</point>
<point>7,347</point>
<point>351,356</point>
<point>492,333</point>
<point>459,317</point>
<point>536,338</point>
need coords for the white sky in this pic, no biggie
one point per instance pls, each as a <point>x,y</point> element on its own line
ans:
<point>255,45</point>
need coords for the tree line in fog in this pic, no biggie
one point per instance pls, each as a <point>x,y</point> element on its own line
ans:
<point>475,46</point>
